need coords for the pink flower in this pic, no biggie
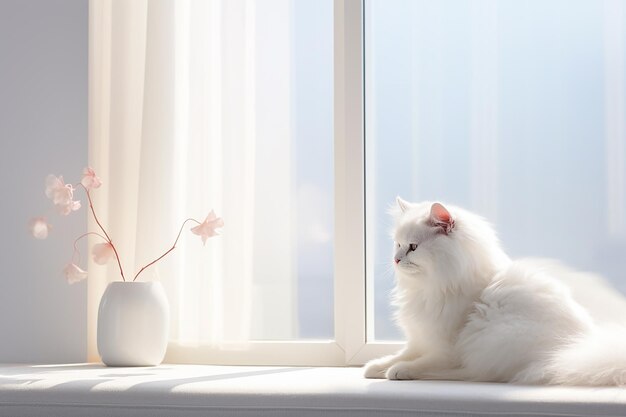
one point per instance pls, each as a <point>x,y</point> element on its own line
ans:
<point>73,273</point>
<point>66,209</point>
<point>90,179</point>
<point>102,253</point>
<point>57,190</point>
<point>61,194</point>
<point>207,228</point>
<point>39,227</point>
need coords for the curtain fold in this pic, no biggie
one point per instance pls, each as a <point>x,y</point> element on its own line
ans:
<point>117,38</point>
<point>179,125</point>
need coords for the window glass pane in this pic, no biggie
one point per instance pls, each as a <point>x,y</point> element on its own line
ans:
<point>294,68</point>
<point>312,132</point>
<point>515,110</point>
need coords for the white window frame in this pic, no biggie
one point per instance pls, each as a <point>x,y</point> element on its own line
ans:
<point>352,291</point>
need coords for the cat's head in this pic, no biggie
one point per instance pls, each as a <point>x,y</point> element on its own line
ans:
<point>443,245</point>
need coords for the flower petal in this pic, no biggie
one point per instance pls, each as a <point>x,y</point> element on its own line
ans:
<point>61,194</point>
<point>90,179</point>
<point>52,185</point>
<point>73,273</point>
<point>102,253</point>
<point>211,216</point>
<point>68,207</point>
<point>207,228</point>
<point>39,227</point>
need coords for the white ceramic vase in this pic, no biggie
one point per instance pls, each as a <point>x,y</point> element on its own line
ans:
<point>133,324</point>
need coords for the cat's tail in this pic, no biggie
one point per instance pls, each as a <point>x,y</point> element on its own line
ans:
<point>598,358</point>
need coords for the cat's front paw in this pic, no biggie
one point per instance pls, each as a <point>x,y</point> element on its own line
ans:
<point>402,371</point>
<point>375,369</point>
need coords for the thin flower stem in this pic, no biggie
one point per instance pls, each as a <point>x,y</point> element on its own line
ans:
<point>169,250</point>
<point>93,211</point>
<point>76,251</point>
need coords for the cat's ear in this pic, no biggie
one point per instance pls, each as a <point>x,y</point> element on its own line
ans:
<point>402,204</point>
<point>441,217</point>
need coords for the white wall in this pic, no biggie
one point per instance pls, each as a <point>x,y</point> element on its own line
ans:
<point>43,129</point>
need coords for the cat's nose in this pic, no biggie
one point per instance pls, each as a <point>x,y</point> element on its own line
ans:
<point>397,260</point>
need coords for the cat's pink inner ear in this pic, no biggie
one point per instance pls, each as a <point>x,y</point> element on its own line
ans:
<point>440,216</point>
<point>439,213</point>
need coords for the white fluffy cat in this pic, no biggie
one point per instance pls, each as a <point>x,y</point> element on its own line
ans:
<point>468,312</point>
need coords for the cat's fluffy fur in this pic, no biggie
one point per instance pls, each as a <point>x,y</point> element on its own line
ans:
<point>469,312</point>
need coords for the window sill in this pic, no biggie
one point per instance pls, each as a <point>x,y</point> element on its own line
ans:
<point>190,390</point>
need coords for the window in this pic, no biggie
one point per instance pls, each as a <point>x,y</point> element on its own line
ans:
<point>235,105</point>
<point>301,120</point>
<point>264,110</point>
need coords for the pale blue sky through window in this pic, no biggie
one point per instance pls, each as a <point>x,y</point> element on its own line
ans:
<point>512,109</point>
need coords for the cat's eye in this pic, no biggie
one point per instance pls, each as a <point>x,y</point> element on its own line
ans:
<point>412,247</point>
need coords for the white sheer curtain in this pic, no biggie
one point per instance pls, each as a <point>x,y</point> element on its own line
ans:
<point>180,124</point>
